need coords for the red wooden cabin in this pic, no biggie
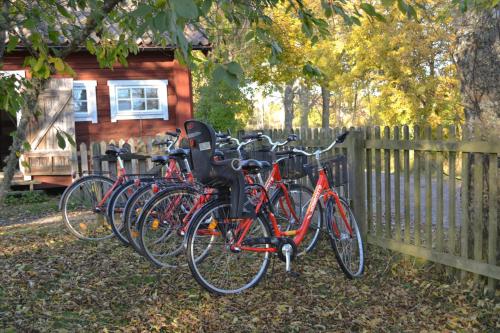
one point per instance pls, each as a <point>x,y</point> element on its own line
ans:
<point>151,95</point>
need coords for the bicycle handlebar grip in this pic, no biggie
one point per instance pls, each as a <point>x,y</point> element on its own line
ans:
<point>252,136</point>
<point>342,137</point>
<point>284,152</point>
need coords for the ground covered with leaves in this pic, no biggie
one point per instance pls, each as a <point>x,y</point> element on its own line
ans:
<point>52,282</point>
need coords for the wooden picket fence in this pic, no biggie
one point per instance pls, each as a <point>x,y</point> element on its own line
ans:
<point>92,159</point>
<point>407,189</point>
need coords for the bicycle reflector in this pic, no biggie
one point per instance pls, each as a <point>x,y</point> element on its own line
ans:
<point>155,188</point>
<point>155,224</point>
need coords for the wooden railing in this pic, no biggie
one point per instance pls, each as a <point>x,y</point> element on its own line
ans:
<point>407,190</point>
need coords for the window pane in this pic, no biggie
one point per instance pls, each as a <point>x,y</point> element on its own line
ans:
<point>80,106</point>
<point>139,104</point>
<point>137,92</point>
<point>153,104</point>
<point>123,93</point>
<point>152,92</point>
<point>124,105</point>
<point>79,94</point>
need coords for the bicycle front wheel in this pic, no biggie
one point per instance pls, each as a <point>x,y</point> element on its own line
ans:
<point>216,266</point>
<point>84,208</point>
<point>345,237</point>
<point>162,225</point>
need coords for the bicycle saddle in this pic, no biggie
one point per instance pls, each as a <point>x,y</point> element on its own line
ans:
<point>160,159</point>
<point>215,173</point>
<point>180,153</point>
<point>115,151</point>
<point>254,166</point>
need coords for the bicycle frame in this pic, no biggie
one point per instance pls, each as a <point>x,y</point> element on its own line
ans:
<point>322,189</point>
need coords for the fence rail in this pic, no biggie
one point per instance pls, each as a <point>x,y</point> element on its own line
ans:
<point>425,192</point>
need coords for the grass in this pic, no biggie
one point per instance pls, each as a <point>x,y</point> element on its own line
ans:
<point>53,282</point>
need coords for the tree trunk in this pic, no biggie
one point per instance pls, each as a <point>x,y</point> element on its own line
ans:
<point>325,114</point>
<point>477,57</point>
<point>304,98</point>
<point>288,104</point>
<point>12,160</point>
<point>478,64</point>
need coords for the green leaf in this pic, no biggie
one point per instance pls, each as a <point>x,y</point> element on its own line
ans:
<point>54,36</point>
<point>218,73</point>
<point>39,64</point>
<point>142,10</point>
<point>13,41</point>
<point>185,8</point>
<point>235,68</point>
<point>69,138</point>
<point>160,21</point>
<point>26,165</point>
<point>63,11</point>
<point>388,3</point>
<point>60,140</point>
<point>26,146</point>
<point>355,20</point>
<point>369,9</point>
<point>205,6</point>
<point>58,64</point>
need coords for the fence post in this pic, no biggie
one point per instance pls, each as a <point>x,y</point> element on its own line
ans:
<point>356,164</point>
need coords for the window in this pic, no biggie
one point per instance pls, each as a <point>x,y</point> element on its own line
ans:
<point>138,99</point>
<point>84,100</point>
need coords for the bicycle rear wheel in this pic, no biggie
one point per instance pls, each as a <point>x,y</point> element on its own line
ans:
<point>345,238</point>
<point>214,265</point>
<point>83,208</point>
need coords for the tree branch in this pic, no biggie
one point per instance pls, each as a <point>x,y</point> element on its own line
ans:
<point>90,27</point>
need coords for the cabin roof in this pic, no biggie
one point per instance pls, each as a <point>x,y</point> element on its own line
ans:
<point>194,34</point>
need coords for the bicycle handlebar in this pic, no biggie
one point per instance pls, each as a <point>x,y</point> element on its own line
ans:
<point>338,139</point>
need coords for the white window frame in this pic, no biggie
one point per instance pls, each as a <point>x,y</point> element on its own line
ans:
<point>90,87</point>
<point>162,113</point>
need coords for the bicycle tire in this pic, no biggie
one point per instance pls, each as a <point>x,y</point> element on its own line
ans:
<point>65,203</point>
<point>133,208</point>
<point>340,235</point>
<point>196,261</point>
<point>120,197</point>
<point>169,224</point>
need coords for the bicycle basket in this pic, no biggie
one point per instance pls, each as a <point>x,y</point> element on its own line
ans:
<point>335,169</point>
<point>293,167</point>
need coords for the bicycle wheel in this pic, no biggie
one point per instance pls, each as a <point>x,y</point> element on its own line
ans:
<point>213,264</point>
<point>290,213</point>
<point>84,210</point>
<point>117,204</point>
<point>163,223</point>
<point>133,209</point>
<point>347,244</point>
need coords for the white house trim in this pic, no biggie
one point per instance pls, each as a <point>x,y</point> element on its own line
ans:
<point>90,87</point>
<point>161,112</point>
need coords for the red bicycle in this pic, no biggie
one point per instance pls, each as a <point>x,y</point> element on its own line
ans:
<point>228,255</point>
<point>84,203</point>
